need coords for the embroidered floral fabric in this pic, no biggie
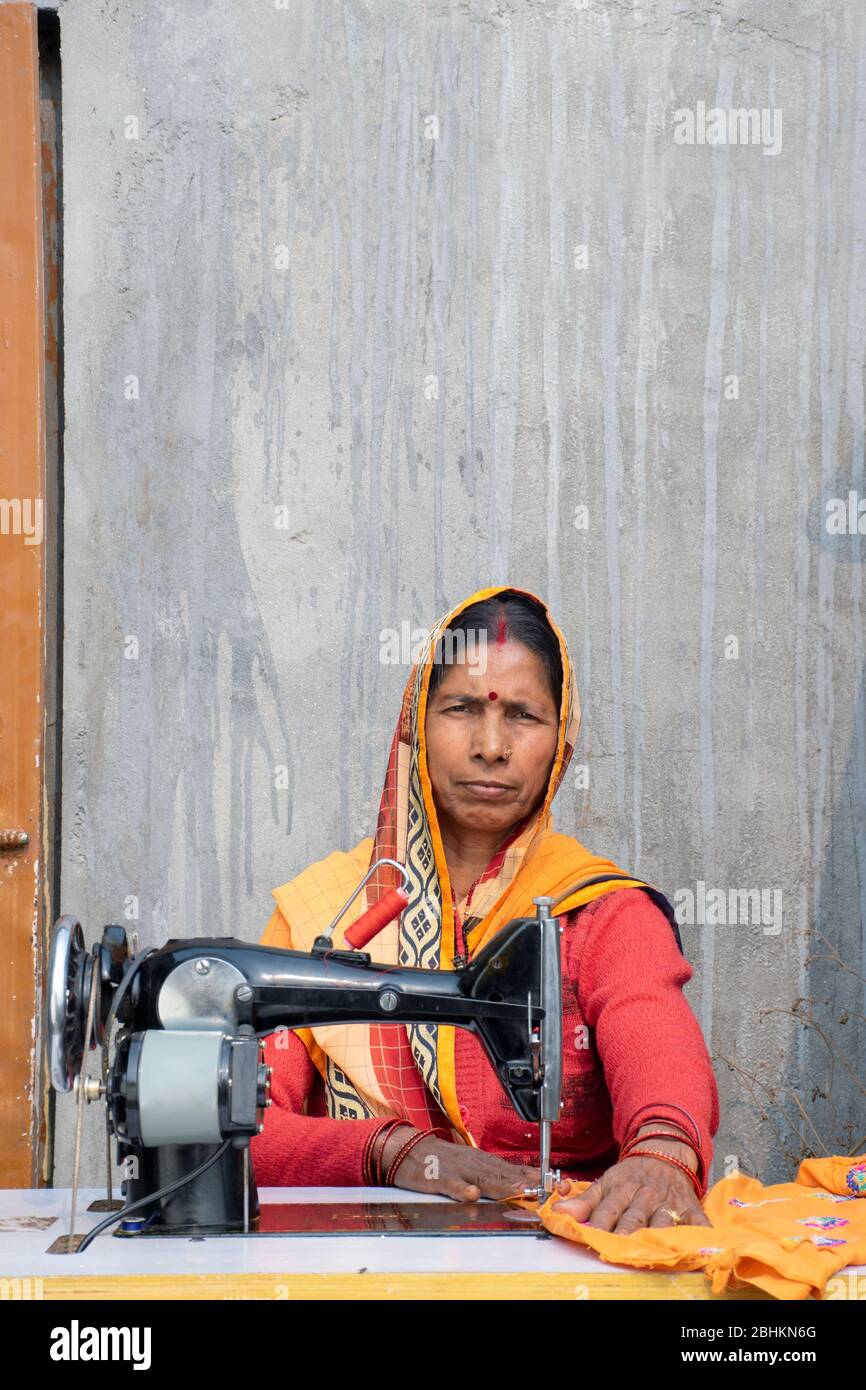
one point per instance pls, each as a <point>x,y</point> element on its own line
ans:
<point>788,1240</point>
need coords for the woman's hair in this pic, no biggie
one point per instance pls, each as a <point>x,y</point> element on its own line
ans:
<point>516,618</point>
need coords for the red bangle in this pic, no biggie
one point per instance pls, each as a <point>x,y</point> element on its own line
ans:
<point>657,1134</point>
<point>379,1151</point>
<point>628,1149</point>
<point>669,1158</point>
<point>682,1131</point>
<point>366,1170</point>
<point>366,1178</point>
<point>632,1138</point>
<point>665,1119</point>
<point>370,1169</point>
<point>402,1153</point>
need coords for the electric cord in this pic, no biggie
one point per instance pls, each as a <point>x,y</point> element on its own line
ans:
<point>153,1196</point>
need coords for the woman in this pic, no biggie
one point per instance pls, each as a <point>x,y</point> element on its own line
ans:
<point>486,731</point>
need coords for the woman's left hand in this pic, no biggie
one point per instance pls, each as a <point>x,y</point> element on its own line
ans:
<point>634,1193</point>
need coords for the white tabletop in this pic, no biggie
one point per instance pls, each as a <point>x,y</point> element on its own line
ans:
<point>23,1251</point>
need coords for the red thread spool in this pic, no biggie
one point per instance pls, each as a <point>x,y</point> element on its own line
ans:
<point>375,918</point>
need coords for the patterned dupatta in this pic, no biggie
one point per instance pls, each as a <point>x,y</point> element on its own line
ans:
<point>385,1069</point>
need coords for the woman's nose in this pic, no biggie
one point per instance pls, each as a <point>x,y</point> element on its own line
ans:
<point>490,738</point>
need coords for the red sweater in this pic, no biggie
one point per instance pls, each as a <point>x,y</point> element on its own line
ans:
<point>632,1050</point>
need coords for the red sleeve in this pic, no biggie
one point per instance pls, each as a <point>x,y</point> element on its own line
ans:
<point>630,975</point>
<point>296,1150</point>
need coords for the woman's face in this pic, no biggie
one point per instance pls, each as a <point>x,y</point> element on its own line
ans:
<point>475,785</point>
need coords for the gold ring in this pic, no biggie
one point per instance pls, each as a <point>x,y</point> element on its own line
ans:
<point>675,1216</point>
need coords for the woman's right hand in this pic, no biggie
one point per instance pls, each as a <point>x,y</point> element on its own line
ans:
<point>455,1170</point>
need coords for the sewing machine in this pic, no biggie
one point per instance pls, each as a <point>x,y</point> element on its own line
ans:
<point>187,1088</point>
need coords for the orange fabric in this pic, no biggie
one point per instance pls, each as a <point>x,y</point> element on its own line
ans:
<point>788,1239</point>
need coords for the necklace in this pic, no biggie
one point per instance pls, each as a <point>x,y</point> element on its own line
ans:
<point>461,958</point>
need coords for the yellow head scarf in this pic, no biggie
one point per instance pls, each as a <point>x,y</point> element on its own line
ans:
<point>408,1069</point>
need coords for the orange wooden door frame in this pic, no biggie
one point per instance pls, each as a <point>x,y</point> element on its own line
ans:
<point>24,602</point>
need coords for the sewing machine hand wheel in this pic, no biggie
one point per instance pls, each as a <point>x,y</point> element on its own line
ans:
<point>70,980</point>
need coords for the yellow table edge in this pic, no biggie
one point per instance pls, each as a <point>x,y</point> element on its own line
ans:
<point>643,1284</point>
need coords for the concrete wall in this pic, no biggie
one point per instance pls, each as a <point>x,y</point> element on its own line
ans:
<point>338,269</point>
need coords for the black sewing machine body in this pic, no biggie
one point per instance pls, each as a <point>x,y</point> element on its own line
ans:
<point>188,1074</point>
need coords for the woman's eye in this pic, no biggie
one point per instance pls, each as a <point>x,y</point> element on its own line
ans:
<point>467,709</point>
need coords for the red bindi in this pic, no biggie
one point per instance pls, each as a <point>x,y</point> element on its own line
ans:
<point>491,695</point>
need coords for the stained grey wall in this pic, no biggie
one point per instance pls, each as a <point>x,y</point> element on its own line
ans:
<point>338,269</point>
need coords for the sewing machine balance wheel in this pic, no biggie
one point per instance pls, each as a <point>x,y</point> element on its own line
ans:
<point>70,981</point>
